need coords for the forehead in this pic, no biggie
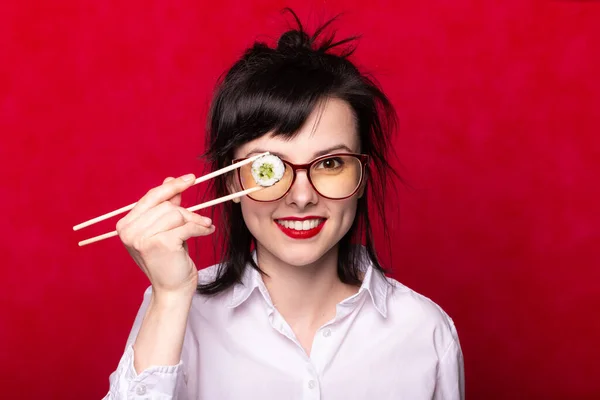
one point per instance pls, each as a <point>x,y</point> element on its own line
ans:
<point>330,124</point>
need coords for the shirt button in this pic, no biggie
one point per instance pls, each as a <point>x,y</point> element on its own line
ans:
<point>311,384</point>
<point>327,332</point>
<point>141,389</point>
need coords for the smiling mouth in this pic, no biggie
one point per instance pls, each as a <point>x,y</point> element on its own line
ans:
<point>305,225</point>
<point>301,229</point>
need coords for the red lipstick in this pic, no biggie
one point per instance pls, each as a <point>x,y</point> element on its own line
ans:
<point>301,234</point>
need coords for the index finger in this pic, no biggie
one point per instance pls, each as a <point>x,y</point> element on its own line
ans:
<point>176,200</point>
<point>159,194</point>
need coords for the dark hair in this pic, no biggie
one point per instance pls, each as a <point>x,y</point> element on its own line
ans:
<point>274,89</point>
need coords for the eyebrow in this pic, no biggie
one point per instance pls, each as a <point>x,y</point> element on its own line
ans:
<point>315,155</point>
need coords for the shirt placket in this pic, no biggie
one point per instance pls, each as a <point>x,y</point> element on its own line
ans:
<point>327,339</point>
<point>311,388</point>
<point>325,344</point>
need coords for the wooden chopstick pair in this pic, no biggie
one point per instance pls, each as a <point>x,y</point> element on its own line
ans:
<point>193,208</point>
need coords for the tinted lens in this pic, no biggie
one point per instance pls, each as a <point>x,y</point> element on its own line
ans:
<point>336,177</point>
<point>269,193</point>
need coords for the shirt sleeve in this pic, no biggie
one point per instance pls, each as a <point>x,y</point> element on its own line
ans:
<point>155,382</point>
<point>450,383</point>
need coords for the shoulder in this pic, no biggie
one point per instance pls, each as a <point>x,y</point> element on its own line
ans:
<point>208,274</point>
<point>409,309</point>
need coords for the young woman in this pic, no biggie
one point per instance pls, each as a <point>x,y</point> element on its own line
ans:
<point>299,308</point>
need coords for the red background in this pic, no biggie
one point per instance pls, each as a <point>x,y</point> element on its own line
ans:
<point>499,115</point>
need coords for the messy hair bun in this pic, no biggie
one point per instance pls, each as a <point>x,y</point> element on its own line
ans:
<point>294,40</point>
<point>297,39</point>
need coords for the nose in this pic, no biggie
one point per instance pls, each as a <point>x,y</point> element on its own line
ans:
<point>302,194</point>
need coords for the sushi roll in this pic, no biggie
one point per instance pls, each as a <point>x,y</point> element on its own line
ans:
<point>267,170</point>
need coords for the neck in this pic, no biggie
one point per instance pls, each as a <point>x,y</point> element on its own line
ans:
<point>307,294</point>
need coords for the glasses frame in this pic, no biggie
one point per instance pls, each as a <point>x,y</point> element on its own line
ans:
<point>363,158</point>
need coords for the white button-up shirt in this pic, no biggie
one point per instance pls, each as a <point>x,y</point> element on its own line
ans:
<point>385,342</point>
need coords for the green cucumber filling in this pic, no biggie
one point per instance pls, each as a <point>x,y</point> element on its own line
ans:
<point>266,171</point>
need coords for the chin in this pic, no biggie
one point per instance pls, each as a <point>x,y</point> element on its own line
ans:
<point>299,254</point>
<point>299,258</point>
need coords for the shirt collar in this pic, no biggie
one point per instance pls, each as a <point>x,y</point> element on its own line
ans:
<point>374,283</point>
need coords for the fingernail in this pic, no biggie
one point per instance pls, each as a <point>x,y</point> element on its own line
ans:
<point>188,177</point>
<point>207,221</point>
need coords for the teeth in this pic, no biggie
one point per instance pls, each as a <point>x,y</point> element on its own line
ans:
<point>300,225</point>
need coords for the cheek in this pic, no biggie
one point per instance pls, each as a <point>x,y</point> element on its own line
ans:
<point>345,212</point>
<point>350,213</point>
<point>256,214</point>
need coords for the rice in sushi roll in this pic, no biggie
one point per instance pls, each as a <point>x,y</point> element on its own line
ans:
<point>267,170</point>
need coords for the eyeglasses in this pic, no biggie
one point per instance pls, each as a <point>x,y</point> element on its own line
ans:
<point>334,176</point>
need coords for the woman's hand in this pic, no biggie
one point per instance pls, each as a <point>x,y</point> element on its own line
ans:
<point>155,233</point>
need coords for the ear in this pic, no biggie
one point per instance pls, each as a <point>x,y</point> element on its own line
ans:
<point>363,186</point>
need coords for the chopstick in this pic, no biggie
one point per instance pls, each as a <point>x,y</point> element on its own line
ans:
<point>194,208</point>
<point>197,181</point>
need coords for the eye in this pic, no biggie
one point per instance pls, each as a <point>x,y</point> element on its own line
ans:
<point>330,163</point>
